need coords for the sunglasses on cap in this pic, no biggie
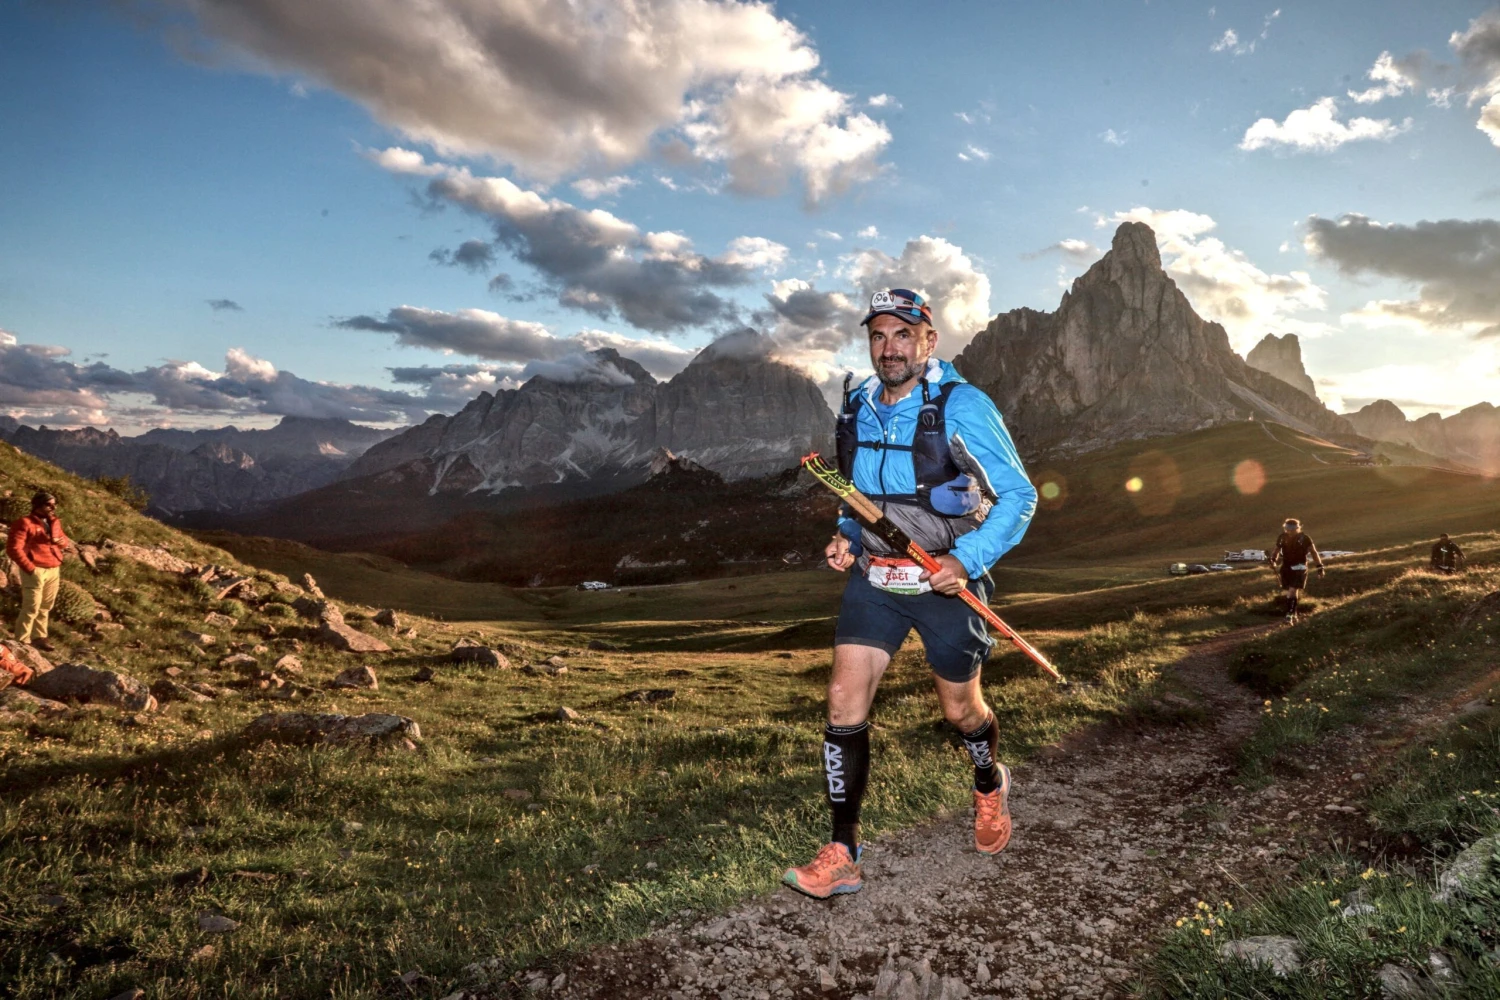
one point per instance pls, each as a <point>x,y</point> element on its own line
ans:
<point>899,302</point>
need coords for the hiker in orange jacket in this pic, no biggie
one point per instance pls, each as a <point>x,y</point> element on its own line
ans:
<point>36,545</point>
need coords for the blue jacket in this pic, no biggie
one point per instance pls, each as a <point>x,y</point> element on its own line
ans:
<point>981,447</point>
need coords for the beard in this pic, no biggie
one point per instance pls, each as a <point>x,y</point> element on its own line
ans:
<point>894,376</point>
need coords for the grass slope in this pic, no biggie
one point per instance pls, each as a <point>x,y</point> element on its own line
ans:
<point>1417,639</point>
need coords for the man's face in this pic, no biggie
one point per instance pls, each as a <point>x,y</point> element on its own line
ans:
<point>45,510</point>
<point>1292,529</point>
<point>899,350</point>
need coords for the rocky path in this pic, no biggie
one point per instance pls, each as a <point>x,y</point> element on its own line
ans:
<point>1117,833</point>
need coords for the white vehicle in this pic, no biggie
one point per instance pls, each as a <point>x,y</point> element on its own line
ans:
<point>1220,567</point>
<point>593,585</point>
<point>1245,555</point>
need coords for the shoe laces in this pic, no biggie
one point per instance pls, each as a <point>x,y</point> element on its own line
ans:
<point>833,855</point>
<point>987,807</point>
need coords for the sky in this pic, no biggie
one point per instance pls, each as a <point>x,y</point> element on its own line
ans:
<point>228,211</point>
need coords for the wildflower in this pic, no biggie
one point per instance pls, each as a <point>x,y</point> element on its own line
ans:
<point>1401,929</point>
<point>1367,874</point>
<point>1207,932</point>
<point>1333,903</point>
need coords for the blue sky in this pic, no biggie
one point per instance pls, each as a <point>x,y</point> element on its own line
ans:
<point>224,214</point>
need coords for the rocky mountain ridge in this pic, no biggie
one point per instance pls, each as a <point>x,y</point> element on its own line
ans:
<point>734,413</point>
<point>1471,436</point>
<point>1125,357</point>
<point>1282,357</point>
<point>218,469</point>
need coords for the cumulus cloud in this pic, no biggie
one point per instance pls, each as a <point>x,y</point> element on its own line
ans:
<point>593,189</point>
<point>883,101</point>
<point>957,291</point>
<point>598,263</point>
<point>225,305</point>
<point>1392,78</point>
<point>479,333</point>
<point>38,382</point>
<point>1318,129</point>
<point>558,86</point>
<point>1454,262</point>
<point>1223,284</point>
<point>869,233</point>
<point>450,387</point>
<point>475,256</point>
<point>1478,50</point>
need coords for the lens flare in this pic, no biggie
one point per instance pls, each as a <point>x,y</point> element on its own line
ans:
<point>1155,484</point>
<point>1134,484</point>
<point>1249,477</point>
<point>1051,491</point>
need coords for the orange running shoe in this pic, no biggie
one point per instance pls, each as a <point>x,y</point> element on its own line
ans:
<point>992,816</point>
<point>832,873</point>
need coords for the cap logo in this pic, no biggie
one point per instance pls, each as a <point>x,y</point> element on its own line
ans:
<point>882,300</point>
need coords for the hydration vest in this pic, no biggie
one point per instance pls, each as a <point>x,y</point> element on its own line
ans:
<point>931,457</point>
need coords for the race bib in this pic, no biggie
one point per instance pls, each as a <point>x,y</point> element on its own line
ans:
<point>1299,568</point>
<point>896,576</point>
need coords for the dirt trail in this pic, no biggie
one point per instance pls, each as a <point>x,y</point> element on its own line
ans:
<point>1116,833</point>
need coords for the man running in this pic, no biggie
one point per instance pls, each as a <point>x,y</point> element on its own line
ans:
<point>932,452</point>
<point>1447,557</point>
<point>1293,549</point>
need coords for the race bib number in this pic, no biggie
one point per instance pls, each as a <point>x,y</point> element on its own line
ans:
<point>896,576</point>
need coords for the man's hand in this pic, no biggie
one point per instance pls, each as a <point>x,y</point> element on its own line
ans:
<point>948,580</point>
<point>24,677</point>
<point>838,554</point>
<point>1320,572</point>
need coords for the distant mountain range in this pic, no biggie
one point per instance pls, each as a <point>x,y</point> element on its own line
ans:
<point>220,469</point>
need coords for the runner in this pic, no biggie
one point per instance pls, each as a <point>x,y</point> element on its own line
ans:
<point>932,452</point>
<point>1292,551</point>
<point>1447,557</point>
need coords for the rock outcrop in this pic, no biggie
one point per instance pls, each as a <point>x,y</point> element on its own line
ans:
<point>220,469</point>
<point>1124,357</point>
<point>1282,357</point>
<point>732,411</point>
<point>304,727</point>
<point>75,682</point>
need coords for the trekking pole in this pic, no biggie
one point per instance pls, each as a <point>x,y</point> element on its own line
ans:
<point>901,542</point>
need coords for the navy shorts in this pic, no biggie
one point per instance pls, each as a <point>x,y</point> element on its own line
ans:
<point>956,638</point>
<point>1293,578</point>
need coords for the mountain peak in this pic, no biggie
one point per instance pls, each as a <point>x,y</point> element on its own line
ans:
<point>1282,357</point>
<point>1135,243</point>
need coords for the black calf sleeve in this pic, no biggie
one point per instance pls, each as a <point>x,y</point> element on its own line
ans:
<point>983,745</point>
<point>846,766</point>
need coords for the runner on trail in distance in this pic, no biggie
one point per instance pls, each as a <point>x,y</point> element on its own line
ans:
<point>1292,551</point>
<point>932,452</point>
<point>1447,557</point>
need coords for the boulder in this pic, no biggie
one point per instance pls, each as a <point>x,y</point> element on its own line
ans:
<point>469,651</point>
<point>1454,880</point>
<point>318,609</point>
<point>90,555</point>
<point>215,923</point>
<point>1279,954</point>
<point>217,620</point>
<point>167,690</point>
<point>75,682</point>
<point>388,618</point>
<point>603,646</point>
<point>29,655</point>
<point>288,664</point>
<point>1400,983</point>
<point>226,589</point>
<point>311,586</point>
<point>156,558</point>
<point>197,638</point>
<point>241,662</point>
<point>304,727</point>
<point>357,677</point>
<point>287,587</point>
<point>18,699</point>
<point>350,640</point>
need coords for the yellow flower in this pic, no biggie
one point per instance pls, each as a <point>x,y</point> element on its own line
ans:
<point>1207,932</point>
<point>1401,929</point>
<point>1333,902</point>
<point>1367,873</point>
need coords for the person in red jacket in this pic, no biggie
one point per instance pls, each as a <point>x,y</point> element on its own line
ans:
<point>36,545</point>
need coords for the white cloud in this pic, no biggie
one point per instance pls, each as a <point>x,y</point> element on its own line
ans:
<point>1418,386</point>
<point>557,87</point>
<point>973,152</point>
<point>1228,42</point>
<point>1113,138</point>
<point>241,365</point>
<point>1489,119</point>
<point>755,251</point>
<point>883,101</point>
<point>829,234</point>
<point>868,233</point>
<point>1317,129</point>
<point>593,189</point>
<point>957,291</point>
<point>1392,79</point>
<point>1223,284</point>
